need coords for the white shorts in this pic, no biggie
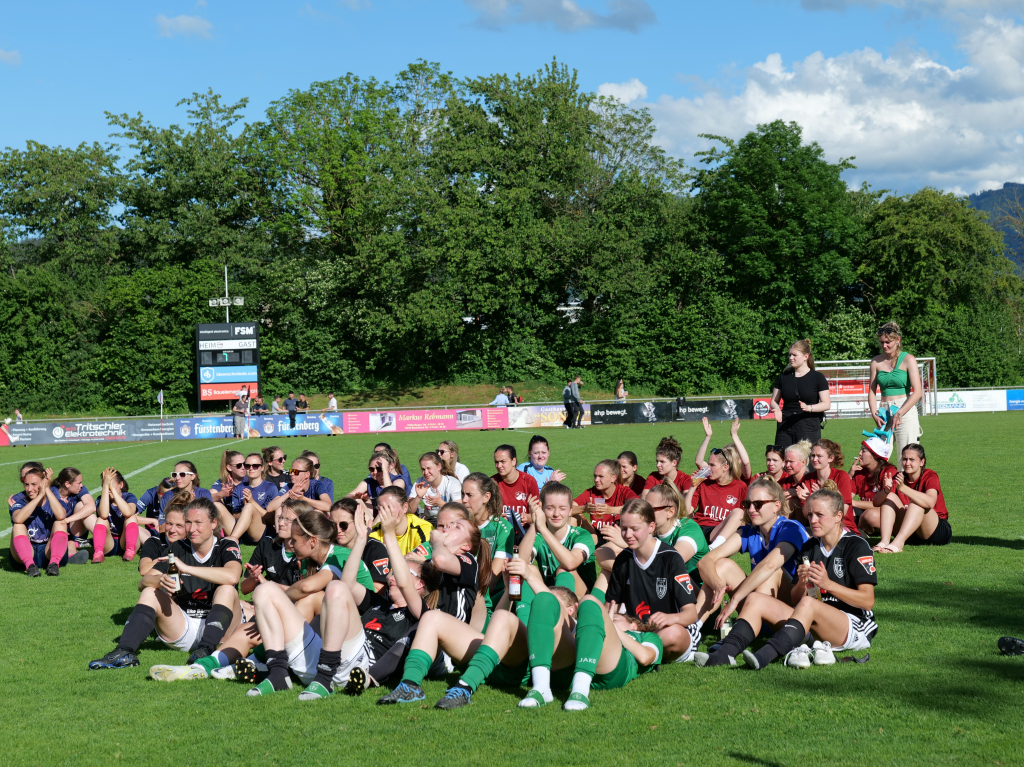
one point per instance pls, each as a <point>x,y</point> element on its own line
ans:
<point>304,653</point>
<point>858,637</point>
<point>189,640</point>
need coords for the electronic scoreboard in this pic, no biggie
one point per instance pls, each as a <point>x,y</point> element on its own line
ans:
<point>227,360</point>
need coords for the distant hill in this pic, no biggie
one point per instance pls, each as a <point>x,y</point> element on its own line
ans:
<point>993,202</point>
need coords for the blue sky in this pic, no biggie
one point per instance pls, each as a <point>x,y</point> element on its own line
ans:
<point>922,93</point>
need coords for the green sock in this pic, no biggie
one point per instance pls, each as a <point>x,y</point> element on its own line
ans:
<point>210,663</point>
<point>260,652</point>
<point>524,605</point>
<point>598,595</point>
<point>566,580</point>
<point>417,664</point>
<point>483,663</point>
<point>589,636</point>
<point>540,632</point>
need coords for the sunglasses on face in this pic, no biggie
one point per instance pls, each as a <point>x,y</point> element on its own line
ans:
<point>280,459</point>
<point>252,466</point>
<point>375,469</point>
<point>343,526</point>
<point>182,474</point>
<point>236,465</point>
<point>756,504</point>
<point>661,508</point>
<point>297,472</point>
<point>316,466</point>
<point>442,452</point>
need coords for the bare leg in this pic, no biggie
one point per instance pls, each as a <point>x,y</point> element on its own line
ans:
<point>824,621</point>
<point>915,518</point>
<point>733,575</point>
<point>339,616</point>
<point>277,617</point>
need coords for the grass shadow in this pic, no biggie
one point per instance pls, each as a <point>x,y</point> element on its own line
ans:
<point>981,540</point>
<point>991,608</point>
<point>750,759</point>
<point>120,617</point>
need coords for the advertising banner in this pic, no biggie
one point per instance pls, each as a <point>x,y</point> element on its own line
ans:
<point>305,423</point>
<point>537,416</point>
<point>227,390</point>
<point>619,412</point>
<point>972,401</point>
<point>714,410</point>
<point>426,420</point>
<point>70,432</point>
<point>233,374</point>
<point>212,427</point>
<point>150,429</point>
<point>762,408</point>
<point>1015,399</point>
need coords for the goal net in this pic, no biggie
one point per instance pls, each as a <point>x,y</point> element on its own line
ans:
<point>848,384</point>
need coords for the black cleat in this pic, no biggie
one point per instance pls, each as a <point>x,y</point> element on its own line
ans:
<point>115,659</point>
<point>356,682</point>
<point>245,671</point>
<point>1011,646</point>
<point>199,652</point>
<point>456,697</point>
<point>406,692</point>
<point>81,558</point>
<point>33,571</point>
<point>53,569</point>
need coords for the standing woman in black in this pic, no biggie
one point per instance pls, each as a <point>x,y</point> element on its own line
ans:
<point>804,395</point>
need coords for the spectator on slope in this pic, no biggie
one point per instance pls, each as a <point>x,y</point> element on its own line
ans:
<point>449,452</point>
<point>303,404</point>
<point>291,405</point>
<point>898,379</point>
<point>239,411</point>
<point>537,467</point>
<point>805,396</point>
<point>620,391</point>
<point>275,405</point>
<point>501,399</point>
<point>577,401</point>
<point>259,407</point>
<point>332,403</point>
<point>569,403</point>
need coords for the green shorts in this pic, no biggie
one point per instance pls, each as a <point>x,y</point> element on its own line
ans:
<point>625,672</point>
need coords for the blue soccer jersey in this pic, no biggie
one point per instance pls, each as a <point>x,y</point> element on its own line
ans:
<point>41,521</point>
<point>783,531</point>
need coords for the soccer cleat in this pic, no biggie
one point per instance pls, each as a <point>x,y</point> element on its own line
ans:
<point>81,558</point>
<point>406,692</point>
<point>1011,646</point>
<point>455,697</point>
<point>98,558</point>
<point>199,652</point>
<point>53,569</point>
<point>32,571</point>
<point>129,555</point>
<point>175,673</point>
<point>576,701</point>
<point>245,671</point>
<point>224,672</point>
<point>751,660</point>
<point>534,699</point>
<point>356,682</point>
<point>315,691</point>
<point>115,659</point>
<point>823,655</point>
<point>800,657</point>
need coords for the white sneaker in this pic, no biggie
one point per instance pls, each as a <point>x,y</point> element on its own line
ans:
<point>224,672</point>
<point>174,673</point>
<point>799,657</point>
<point>823,655</point>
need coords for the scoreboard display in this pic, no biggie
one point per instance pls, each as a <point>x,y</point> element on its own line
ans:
<point>227,360</point>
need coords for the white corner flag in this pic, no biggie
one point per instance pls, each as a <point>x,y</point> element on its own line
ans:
<point>160,399</point>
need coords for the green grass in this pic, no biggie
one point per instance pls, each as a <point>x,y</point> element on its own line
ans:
<point>936,691</point>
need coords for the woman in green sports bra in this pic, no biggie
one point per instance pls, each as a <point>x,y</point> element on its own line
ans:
<point>898,379</point>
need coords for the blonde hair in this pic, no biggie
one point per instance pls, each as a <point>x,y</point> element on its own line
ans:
<point>801,448</point>
<point>732,458</point>
<point>670,494</point>
<point>774,489</point>
<point>891,330</point>
<point>804,347</point>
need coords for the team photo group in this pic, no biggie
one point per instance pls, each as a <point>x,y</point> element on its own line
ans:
<point>502,574</point>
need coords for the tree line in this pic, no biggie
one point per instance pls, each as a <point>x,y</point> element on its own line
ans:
<point>433,229</point>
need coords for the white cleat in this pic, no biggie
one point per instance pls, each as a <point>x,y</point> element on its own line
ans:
<point>799,657</point>
<point>175,673</point>
<point>224,672</point>
<point>823,655</point>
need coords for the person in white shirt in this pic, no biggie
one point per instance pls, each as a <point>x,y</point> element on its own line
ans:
<point>332,403</point>
<point>436,487</point>
<point>449,453</point>
<point>502,399</point>
<point>275,405</point>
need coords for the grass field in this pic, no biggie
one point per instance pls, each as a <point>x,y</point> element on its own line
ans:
<point>936,691</point>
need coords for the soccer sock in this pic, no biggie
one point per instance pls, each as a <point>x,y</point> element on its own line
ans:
<point>485,660</point>
<point>597,594</point>
<point>210,663</point>
<point>217,622</point>
<point>139,626</point>
<point>785,639</point>
<point>581,682</point>
<point>566,581</point>
<point>327,667</point>
<point>277,669</point>
<point>524,606</point>
<point>540,676</point>
<point>590,635</point>
<point>417,664</point>
<point>23,550</point>
<point>58,547</point>
<point>540,633</point>
<point>99,541</point>
<point>739,639</point>
<point>131,540</point>
<point>221,658</point>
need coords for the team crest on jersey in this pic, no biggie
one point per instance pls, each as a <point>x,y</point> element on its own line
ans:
<point>643,610</point>
<point>684,581</point>
<point>466,558</point>
<point>382,566</point>
<point>732,500</point>
<point>373,625</point>
<point>420,550</point>
<point>869,564</point>
<point>837,565</point>
<point>662,587</point>
<point>520,496</point>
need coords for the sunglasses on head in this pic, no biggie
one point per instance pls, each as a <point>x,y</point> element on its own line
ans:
<point>254,465</point>
<point>182,474</point>
<point>296,472</point>
<point>717,451</point>
<point>773,449</point>
<point>756,504</point>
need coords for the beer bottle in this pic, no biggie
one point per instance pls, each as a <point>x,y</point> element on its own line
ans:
<point>812,589</point>
<point>515,582</point>
<point>172,571</point>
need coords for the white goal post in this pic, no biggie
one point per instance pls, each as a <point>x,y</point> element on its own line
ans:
<point>848,383</point>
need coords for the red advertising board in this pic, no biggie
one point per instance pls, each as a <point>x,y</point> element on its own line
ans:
<point>226,390</point>
<point>763,409</point>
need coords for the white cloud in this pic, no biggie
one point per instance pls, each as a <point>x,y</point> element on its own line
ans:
<point>354,5</point>
<point>10,57</point>
<point>917,7</point>
<point>183,26</point>
<point>631,90</point>
<point>909,120</point>
<point>564,15</point>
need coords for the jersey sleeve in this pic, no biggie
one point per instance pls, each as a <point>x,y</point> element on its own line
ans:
<point>792,534</point>
<point>228,552</point>
<point>682,585</point>
<point>652,480</point>
<point>375,555</point>
<point>862,564</point>
<point>259,554</point>
<point>531,487</point>
<point>652,640</point>
<point>151,549</point>
<point>502,540</point>
<point>582,499</point>
<point>583,541</point>
<point>468,569</point>
<point>327,486</point>
<point>616,580</point>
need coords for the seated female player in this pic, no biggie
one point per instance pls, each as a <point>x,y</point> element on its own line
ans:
<point>449,452</point>
<point>715,502</point>
<point>827,464</point>
<point>482,497</point>
<point>186,479</point>
<point>604,500</point>
<point>193,612</point>
<point>413,532</point>
<point>666,458</point>
<point>798,457</point>
<point>435,487</point>
<point>736,445</point>
<point>260,491</point>
<point>916,506</point>
<point>374,554</point>
<point>156,546</point>
<point>832,598</point>
<point>116,530</point>
<point>79,511</point>
<point>771,540</point>
<point>326,485</point>
<point>628,474</point>
<point>147,513</point>
<point>774,460</point>
<point>274,459</point>
<point>39,533</point>
<point>869,473</point>
<point>232,473</point>
<point>383,473</point>
<point>302,485</point>
<point>273,560</point>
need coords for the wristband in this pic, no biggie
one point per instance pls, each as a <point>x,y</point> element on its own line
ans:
<point>716,543</point>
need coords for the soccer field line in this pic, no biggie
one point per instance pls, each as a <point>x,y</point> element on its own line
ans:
<point>65,455</point>
<point>5,533</point>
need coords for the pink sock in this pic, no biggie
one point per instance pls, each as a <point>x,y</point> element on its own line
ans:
<point>131,541</point>
<point>23,550</point>
<point>99,541</point>
<point>58,546</point>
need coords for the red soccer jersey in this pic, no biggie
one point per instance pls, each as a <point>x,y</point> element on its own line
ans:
<point>713,502</point>
<point>845,485</point>
<point>682,481</point>
<point>513,497</point>
<point>868,492</point>
<point>638,484</point>
<point>929,480</point>
<point>619,497</point>
<point>789,483</point>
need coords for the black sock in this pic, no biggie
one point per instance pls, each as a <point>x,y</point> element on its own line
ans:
<point>217,622</point>
<point>739,639</point>
<point>327,667</point>
<point>785,639</point>
<point>277,668</point>
<point>139,626</point>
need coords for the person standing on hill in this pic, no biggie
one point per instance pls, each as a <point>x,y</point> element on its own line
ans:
<point>332,403</point>
<point>291,405</point>
<point>574,392</point>
<point>898,379</point>
<point>570,409</point>
<point>805,398</point>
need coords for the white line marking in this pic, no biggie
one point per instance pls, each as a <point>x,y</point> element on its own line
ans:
<point>65,455</point>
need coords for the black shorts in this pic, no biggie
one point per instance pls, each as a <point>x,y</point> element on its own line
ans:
<point>943,534</point>
<point>708,531</point>
<point>790,432</point>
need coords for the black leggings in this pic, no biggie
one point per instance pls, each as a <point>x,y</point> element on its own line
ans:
<point>790,432</point>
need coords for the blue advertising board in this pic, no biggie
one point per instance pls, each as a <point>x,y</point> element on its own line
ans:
<point>235,374</point>
<point>1015,399</point>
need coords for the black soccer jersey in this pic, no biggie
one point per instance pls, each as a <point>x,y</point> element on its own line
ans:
<point>196,595</point>
<point>850,563</point>
<point>154,547</point>
<point>457,593</point>
<point>661,586</point>
<point>383,623</point>
<point>375,557</point>
<point>278,565</point>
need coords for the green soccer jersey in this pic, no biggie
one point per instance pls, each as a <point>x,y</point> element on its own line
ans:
<point>688,528</point>
<point>652,640</point>
<point>498,533</point>
<point>574,538</point>
<point>424,550</point>
<point>335,562</point>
